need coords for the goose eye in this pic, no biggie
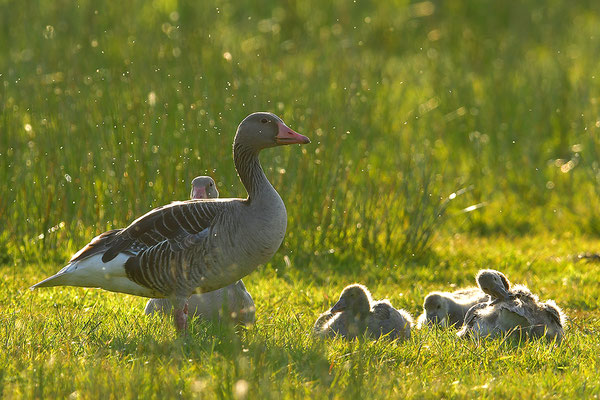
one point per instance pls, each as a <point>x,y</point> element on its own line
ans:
<point>264,120</point>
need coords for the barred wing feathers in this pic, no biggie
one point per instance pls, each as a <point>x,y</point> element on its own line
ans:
<point>177,222</point>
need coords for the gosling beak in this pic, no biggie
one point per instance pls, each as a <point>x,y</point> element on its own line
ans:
<point>287,136</point>
<point>504,294</point>
<point>339,306</point>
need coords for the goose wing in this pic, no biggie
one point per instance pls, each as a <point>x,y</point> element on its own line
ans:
<point>104,241</point>
<point>472,314</point>
<point>98,244</point>
<point>181,223</point>
<point>319,326</point>
<point>520,306</point>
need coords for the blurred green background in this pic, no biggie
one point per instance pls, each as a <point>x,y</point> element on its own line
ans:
<point>110,108</point>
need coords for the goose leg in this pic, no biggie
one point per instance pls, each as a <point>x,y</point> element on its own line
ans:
<point>180,313</point>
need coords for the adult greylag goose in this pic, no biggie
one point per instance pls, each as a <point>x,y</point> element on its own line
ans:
<point>449,309</point>
<point>355,313</point>
<point>513,311</point>
<point>232,302</point>
<point>193,246</point>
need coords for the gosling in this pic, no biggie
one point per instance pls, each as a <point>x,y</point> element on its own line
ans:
<point>385,320</point>
<point>355,314</point>
<point>449,309</point>
<point>512,311</point>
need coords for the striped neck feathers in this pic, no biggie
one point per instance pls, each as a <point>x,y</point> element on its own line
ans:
<point>249,169</point>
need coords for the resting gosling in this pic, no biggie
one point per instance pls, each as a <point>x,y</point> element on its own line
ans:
<point>512,311</point>
<point>449,309</point>
<point>355,313</point>
<point>384,320</point>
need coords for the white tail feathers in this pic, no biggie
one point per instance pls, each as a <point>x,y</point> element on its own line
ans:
<point>92,272</point>
<point>55,280</point>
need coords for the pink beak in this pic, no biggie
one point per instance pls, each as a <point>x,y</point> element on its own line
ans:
<point>199,193</point>
<point>288,136</point>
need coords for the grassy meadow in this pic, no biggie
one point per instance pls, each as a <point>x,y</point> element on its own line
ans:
<point>446,137</point>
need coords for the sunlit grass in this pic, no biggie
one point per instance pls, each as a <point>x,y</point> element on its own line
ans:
<point>111,108</point>
<point>95,343</point>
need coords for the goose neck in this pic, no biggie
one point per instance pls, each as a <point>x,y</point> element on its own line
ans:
<point>249,169</point>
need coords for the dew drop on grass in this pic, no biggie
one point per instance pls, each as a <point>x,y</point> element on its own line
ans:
<point>240,389</point>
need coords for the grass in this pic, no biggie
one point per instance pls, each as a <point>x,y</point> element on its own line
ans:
<point>109,109</point>
<point>97,344</point>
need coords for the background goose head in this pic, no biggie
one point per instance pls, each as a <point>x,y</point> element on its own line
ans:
<point>203,187</point>
<point>555,313</point>
<point>552,322</point>
<point>436,308</point>
<point>494,283</point>
<point>356,299</point>
<point>262,130</point>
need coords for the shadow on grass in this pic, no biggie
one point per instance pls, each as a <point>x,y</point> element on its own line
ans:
<point>237,349</point>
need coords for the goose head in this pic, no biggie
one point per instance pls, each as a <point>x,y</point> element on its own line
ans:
<point>436,308</point>
<point>552,321</point>
<point>494,283</point>
<point>262,130</point>
<point>355,299</point>
<point>203,187</point>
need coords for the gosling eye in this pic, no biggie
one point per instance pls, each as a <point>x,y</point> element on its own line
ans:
<point>264,120</point>
<point>210,184</point>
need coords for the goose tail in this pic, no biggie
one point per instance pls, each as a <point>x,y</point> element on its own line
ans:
<point>91,272</point>
<point>61,278</point>
<point>55,280</point>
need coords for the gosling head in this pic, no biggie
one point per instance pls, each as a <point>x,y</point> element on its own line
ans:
<point>555,313</point>
<point>203,187</point>
<point>494,283</point>
<point>548,321</point>
<point>355,299</point>
<point>436,308</point>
